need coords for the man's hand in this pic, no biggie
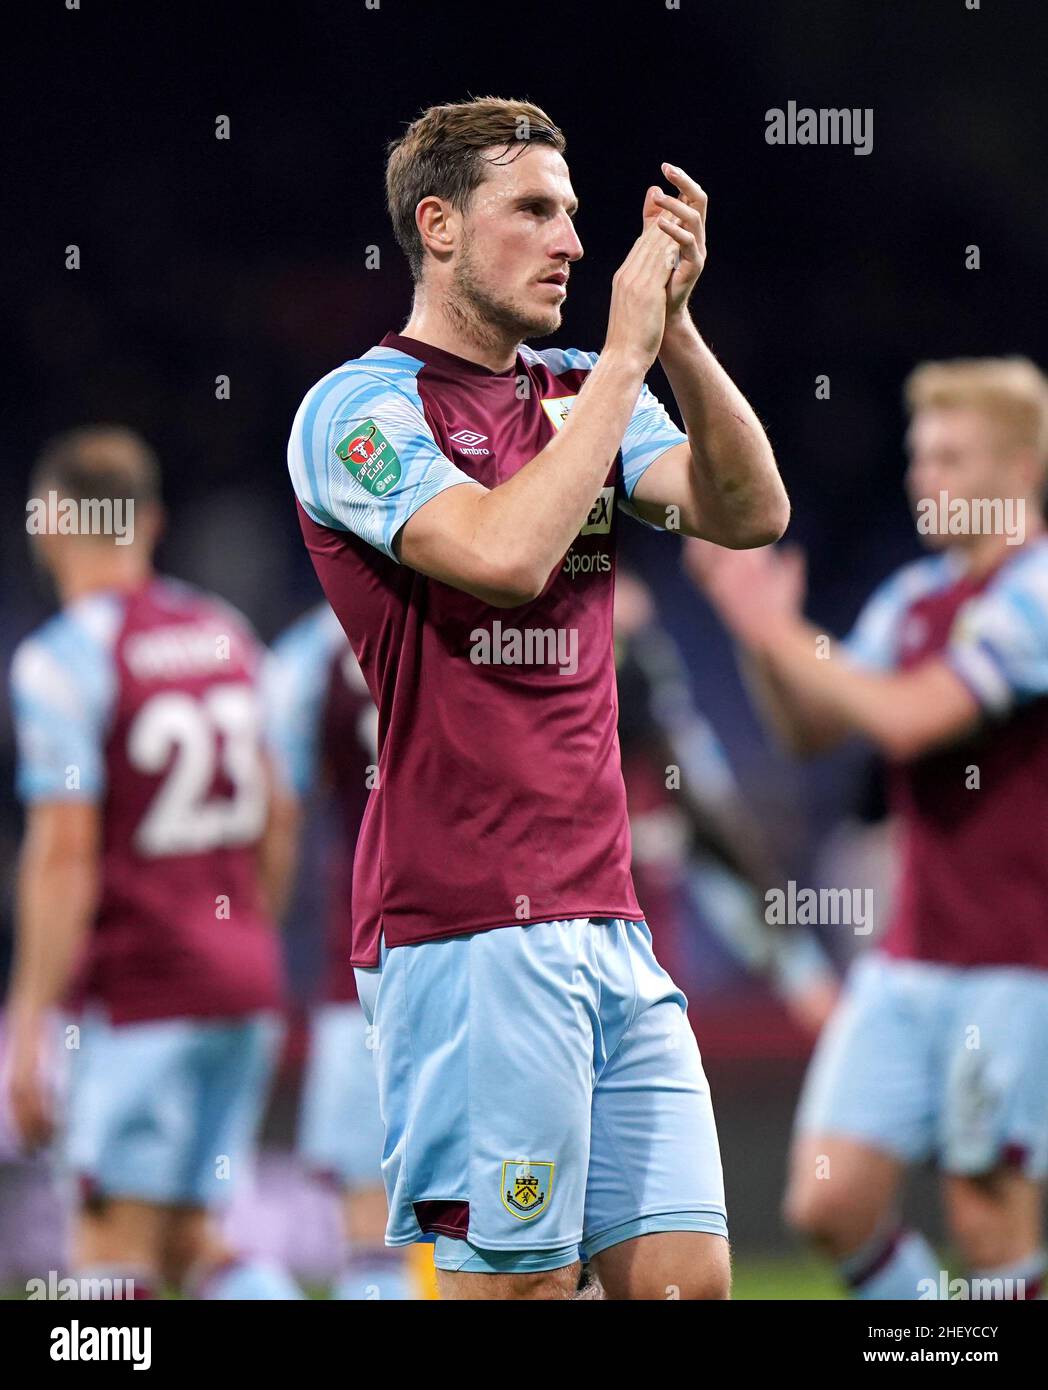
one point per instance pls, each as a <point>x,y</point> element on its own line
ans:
<point>637,315</point>
<point>28,1091</point>
<point>752,591</point>
<point>683,217</point>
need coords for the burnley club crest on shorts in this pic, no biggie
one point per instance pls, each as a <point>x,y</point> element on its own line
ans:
<point>526,1187</point>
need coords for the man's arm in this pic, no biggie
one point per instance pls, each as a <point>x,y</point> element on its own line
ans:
<point>58,881</point>
<point>811,694</point>
<point>723,484</point>
<point>502,544</point>
<point>278,848</point>
<point>800,725</point>
<point>904,714</point>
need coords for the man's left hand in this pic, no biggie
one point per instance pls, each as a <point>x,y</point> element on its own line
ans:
<point>683,217</point>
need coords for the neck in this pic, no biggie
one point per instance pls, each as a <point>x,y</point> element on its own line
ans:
<point>456,327</point>
<point>104,573</point>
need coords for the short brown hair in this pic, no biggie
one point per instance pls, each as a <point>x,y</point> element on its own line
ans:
<point>439,155</point>
<point>98,461</point>
<point>1012,392</point>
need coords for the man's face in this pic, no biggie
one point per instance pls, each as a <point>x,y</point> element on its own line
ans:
<point>518,241</point>
<point>956,450</point>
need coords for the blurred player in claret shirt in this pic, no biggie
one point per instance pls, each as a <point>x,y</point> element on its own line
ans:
<point>142,889</point>
<point>541,1090</point>
<point>940,1046</point>
<point>323,727</point>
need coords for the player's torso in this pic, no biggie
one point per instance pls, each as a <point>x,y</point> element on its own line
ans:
<point>180,925</point>
<point>498,752</point>
<point>974,887</point>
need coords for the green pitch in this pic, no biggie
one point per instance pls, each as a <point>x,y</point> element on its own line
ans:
<point>783,1278</point>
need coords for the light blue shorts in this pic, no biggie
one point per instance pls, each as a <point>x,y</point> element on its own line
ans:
<point>340,1128</point>
<point>542,1095</point>
<point>167,1111</point>
<point>927,1060</point>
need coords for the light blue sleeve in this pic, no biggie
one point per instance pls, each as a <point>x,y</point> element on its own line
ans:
<point>63,687</point>
<point>361,454</point>
<point>999,642</point>
<point>649,433</point>
<point>295,681</point>
<point>873,641</point>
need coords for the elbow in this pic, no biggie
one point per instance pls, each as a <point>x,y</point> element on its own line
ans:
<point>901,745</point>
<point>763,523</point>
<point>511,584</point>
<point>764,527</point>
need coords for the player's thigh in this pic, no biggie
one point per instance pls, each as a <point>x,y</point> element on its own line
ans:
<point>996,1219</point>
<point>130,1108</point>
<point>654,1155</point>
<point>839,1189</point>
<point>543,1284</point>
<point>485,1062</point>
<point>994,1050</point>
<point>873,1077</point>
<point>236,1061</point>
<point>670,1265</point>
<point>340,1127</point>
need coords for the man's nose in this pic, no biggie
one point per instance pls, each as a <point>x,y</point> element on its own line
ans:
<point>568,246</point>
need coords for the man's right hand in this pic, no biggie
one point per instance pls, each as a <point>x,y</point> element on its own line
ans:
<point>637,316</point>
<point>28,1091</point>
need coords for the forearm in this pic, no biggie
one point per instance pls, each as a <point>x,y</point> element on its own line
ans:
<point>56,898</point>
<point>899,713</point>
<point>278,852</point>
<point>798,724</point>
<point>537,514</point>
<point>739,493</point>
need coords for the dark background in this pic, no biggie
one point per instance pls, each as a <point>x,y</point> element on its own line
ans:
<point>246,257</point>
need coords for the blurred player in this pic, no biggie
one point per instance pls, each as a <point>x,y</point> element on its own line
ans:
<point>323,723</point>
<point>140,894</point>
<point>940,1046</point>
<point>699,856</point>
<point>541,1090</point>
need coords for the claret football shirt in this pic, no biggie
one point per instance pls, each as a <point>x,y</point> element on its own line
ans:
<point>973,883</point>
<point>148,704</point>
<point>499,797</point>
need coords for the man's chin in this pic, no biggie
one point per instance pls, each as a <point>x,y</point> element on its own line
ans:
<point>542,325</point>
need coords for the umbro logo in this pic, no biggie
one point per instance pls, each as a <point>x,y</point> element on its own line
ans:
<point>468,440</point>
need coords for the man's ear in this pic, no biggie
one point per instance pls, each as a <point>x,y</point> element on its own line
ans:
<point>434,220</point>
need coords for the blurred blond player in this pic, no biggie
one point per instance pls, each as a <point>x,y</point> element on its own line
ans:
<point>142,889</point>
<point>939,1048</point>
